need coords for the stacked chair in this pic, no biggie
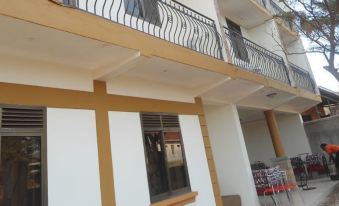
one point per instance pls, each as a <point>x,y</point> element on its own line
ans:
<point>316,163</point>
<point>272,182</point>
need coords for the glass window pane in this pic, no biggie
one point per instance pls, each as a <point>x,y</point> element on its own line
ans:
<point>132,7</point>
<point>20,171</point>
<point>155,159</point>
<point>175,160</point>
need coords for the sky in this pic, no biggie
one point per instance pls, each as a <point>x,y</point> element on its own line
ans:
<point>322,77</point>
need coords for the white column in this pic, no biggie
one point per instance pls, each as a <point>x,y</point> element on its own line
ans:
<point>230,154</point>
<point>293,135</point>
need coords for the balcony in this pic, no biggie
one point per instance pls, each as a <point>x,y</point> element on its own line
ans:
<point>302,78</point>
<point>252,57</point>
<point>165,19</point>
<point>287,28</point>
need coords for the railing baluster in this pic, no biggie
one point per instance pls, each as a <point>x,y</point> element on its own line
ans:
<point>302,78</point>
<point>250,56</point>
<point>166,19</point>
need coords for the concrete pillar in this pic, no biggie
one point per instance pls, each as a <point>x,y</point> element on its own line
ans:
<point>275,133</point>
<point>230,154</point>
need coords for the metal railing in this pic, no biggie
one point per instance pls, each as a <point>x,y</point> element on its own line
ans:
<point>250,56</point>
<point>302,78</point>
<point>166,19</point>
<point>278,11</point>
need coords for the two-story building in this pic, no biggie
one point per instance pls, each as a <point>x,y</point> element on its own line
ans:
<point>143,102</point>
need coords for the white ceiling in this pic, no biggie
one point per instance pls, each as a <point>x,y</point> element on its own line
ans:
<point>20,38</point>
<point>172,73</point>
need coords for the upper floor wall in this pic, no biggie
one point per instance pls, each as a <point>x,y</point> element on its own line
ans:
<point>126,52</point>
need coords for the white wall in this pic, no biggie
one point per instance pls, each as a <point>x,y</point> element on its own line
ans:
<point>128,157</point>
<point>72,155</point>
<point>293,135</point>
<point>27,71</point>
<point>267,36</point>
<point>230,154</point>
<point>259,143</point>
<point>196,160</point>
<point>129,165</point>
<point>299,58</point>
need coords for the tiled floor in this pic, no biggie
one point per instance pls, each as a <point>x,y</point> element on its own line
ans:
<point>325,194</point>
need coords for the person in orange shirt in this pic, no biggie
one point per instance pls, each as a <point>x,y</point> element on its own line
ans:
<point>332,149</point>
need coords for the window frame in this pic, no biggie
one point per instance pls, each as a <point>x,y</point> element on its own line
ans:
<point>236,36</point>
<point>35,132</point>
<point>170,193</point>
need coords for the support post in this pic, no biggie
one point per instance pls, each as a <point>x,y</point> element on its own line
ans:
<point>275,133</point>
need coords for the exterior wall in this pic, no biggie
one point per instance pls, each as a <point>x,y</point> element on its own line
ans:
<point>196,160</point>
<point>299,58</point>
<point>267,36</point>
<point>72,156</point>
<point>129,159</point>
<point>259,144</point>
<point>85,123</point>
<point>293,135</point>
<point>258,141</point>
<point>324,130</point>
<point>200,6</point>
<point>230,154</point>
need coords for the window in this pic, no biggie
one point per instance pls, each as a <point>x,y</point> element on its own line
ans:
<point>165,157</point>
<point>307,118</point>
<point>238,44</point>
<point>22,167</point>
<point>146,9</point>
<point>73,3</point>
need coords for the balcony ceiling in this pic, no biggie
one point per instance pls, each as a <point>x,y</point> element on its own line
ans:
<point>21,40</point>
<point>247,115</point>
<point>24,39</point>
<point>247,13</point>
<point>254,96</point>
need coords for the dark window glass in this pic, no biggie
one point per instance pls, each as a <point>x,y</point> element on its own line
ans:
<point>165,159</point>
<point>156,165</point>
<point>133,7</point>
<point>146,9</point>
<point>238,44</point>
<point>20,171</point>
<point>307,118</point>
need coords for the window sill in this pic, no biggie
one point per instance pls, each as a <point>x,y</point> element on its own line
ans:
<point>180,200</point>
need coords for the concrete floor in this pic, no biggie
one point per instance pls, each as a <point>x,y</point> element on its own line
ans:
<point>325,194</point>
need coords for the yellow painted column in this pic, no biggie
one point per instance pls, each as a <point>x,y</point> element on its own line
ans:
<point>275,133</point>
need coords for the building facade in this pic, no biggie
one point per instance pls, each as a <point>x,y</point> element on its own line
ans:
<point>142,102</point>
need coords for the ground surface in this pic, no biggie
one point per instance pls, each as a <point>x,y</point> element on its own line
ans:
<point>325,194</point>
<point>333,198</point>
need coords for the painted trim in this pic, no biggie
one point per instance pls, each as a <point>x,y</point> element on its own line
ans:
<point>209,155</point>
<point>102,103</point>
<point>181,200</point>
